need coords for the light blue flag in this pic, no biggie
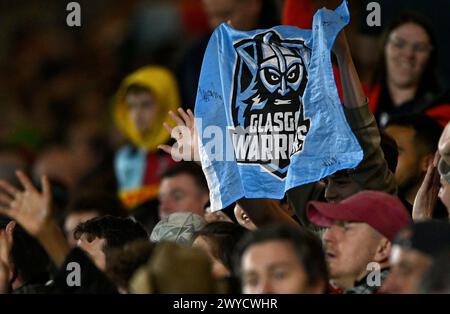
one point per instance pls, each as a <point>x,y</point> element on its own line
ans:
<point>268,114</point>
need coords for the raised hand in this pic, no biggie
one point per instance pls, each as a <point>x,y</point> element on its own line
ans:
<point>427,194</point>
<point>30,208</point>
<point>185,134</point>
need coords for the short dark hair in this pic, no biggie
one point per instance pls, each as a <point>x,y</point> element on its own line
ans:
<point>427,131</point>
<point>306,244</point>
<point>223,237</point>
<point>189,168</point>
<point>117,231</point>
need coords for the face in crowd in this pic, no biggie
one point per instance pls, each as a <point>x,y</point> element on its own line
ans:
<point>407,53</point>
<point>181,193</point>
<point>413,253</point>
<point>407,270</point>
<point>411,164</point>
<point>272,273</point>
<point>142,109</point>
<point>358,234</point>
<point>279,264</point>
<point>101,234</point>
<point>340,186</point>
<point>350,247</point>
<point>416,136</point>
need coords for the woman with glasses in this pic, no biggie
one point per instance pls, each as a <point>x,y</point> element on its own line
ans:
<point>405,80</point>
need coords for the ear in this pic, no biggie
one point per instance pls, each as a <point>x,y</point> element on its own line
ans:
<point>10,227</point>
<point>383,251</point>
<point>426,161</point>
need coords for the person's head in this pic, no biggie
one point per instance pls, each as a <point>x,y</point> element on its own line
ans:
<point>178,227</point>
<point>281,259</point>
<point>98,235</point>
<point>141,105</point>
<point>174,268</point>
<point>219,240</point>
<point>413,252</point>
<point>124,261</point>
<point>359,231</point>
<point>88,205</point>
<point>409,55</point>
<point>416,136</point>
<point>30,262</point>
<point>183,188</point>
<point>341,185</point>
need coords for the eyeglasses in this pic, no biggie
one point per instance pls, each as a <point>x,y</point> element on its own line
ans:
<point>402,44</point>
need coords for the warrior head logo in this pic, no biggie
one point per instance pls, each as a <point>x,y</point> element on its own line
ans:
<point>270,77</point>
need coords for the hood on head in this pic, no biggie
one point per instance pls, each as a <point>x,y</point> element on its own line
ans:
<point>164,87</point>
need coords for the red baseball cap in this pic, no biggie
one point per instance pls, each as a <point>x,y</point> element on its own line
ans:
<point>383,212</point>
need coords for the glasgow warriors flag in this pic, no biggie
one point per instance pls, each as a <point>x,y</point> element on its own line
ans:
<point>268,113</point>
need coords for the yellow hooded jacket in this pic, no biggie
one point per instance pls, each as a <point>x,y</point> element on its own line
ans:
<point>164,87</point>
<point>136,184</point>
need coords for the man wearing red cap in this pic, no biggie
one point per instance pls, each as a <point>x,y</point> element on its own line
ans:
<point>358,238</point>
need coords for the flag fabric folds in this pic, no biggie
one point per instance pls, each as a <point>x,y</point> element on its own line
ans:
<point>268,114</point>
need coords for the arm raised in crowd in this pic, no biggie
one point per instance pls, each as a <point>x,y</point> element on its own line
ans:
<point>354,96</point>
<point>373,172</point>
<point>32,209</point>
<point>427,195</point>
